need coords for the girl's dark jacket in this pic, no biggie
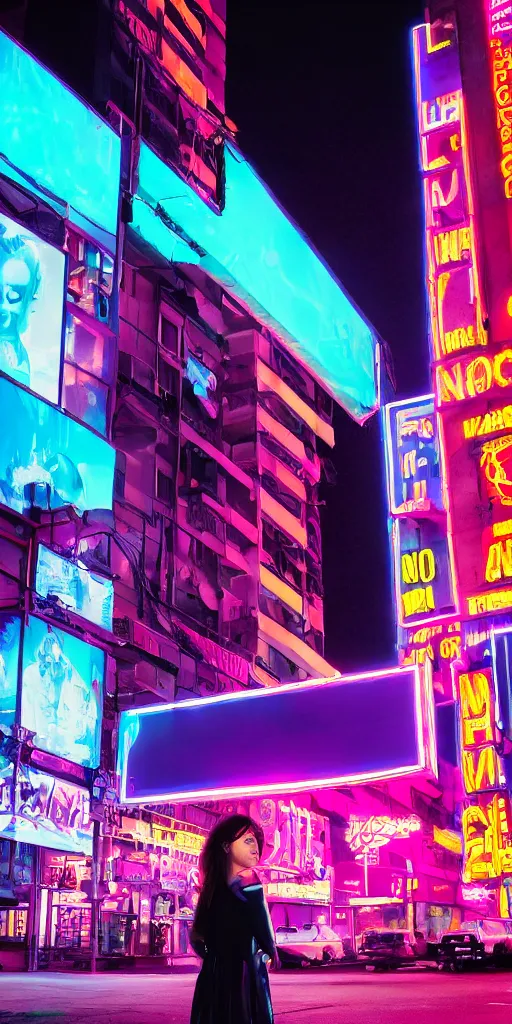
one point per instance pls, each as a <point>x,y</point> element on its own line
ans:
<point>233,937</point>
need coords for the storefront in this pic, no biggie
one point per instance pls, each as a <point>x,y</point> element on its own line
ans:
<point>45,868</point>
<point>65,916</point>
<point>16,897</point>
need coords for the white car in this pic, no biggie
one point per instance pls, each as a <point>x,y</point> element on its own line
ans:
<point>312,943</point>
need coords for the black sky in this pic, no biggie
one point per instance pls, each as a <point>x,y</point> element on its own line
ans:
<point>322,97</point>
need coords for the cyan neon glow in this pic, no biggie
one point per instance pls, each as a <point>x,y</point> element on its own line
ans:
<point>48,460</point>
<point>50,136</point>
<point>254,250</point>
<point>395,738</point>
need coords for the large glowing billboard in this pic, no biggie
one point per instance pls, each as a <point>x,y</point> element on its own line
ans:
<point>9,663</point>
<point>46,812</point>
<point>254,250</point>
<point>51,140</point>
<point>326,732</point>
<point>31,309</point>
<point>62,693</point>
<point>74,587</point>
<point>47,460</point>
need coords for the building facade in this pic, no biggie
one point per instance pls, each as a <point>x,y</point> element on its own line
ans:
<point>171,348</point>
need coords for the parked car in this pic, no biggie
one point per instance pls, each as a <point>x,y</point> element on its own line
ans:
<point>459,951</point>
<point>386,950</point>
<point>313,943</point>
<point>496,936</point>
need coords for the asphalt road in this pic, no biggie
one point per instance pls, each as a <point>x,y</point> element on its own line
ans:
<point>308,997</point>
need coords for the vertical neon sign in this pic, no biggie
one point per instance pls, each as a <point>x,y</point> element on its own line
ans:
<point>472,376</point>
<point>421,554</point>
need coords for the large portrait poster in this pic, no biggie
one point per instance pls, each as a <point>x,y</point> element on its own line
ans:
<point>31,309</point>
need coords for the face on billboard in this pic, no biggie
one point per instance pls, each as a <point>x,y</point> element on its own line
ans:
<point>83,592</point>
<point>47,460</point>
<point>31,309</point>
<point>9,654</point>
<point>62,693</point>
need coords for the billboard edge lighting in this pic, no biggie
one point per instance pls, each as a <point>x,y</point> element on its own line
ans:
<point>421,737</point>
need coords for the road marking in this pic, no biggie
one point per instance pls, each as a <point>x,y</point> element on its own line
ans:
<point>307,1009</point>
<point>499,1004</point>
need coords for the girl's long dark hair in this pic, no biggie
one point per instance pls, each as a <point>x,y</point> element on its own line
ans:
<point>213,863</point>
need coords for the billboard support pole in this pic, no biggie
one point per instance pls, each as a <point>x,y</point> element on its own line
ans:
<point>95,902</point>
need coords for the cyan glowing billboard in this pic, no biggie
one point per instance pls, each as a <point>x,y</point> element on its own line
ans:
<point>50,138</point>
<point>321,733</point>
<point>253,249</point>
<point>74,587</point>
<point>47,460</point>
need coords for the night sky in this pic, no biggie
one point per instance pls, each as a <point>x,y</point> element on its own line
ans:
<point>322,97</point>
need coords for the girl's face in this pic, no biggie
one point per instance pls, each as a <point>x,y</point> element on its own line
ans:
<point>243,853</point>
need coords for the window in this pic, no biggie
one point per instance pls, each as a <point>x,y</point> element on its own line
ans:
<point>91,276</point>
<point>169,336</point>
<point>88,371</point>
<point>164,487</point>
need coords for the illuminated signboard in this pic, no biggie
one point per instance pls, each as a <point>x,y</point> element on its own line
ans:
<point>9,658</point>
<point>480,765</point>
<point>413,456</point>
<point>31,309</point>
<point>369,834</point>
<point>486,820</point>
<point>74,587</point>
<point>296,843</point>
<point>62,693</point>
<point>486,829</point>
<point>500,52</point>
<point>49,138</point>
<point>422,573</point>
<point>315,734</point>
<point>453,279</point>
<point>47,460</point>
<point>47,811</point>
<point>473,375</point>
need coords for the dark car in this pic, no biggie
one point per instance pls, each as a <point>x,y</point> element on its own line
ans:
<point>459,951</point>
<point>386,950</point>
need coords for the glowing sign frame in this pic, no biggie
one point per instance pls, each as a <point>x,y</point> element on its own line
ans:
<point>424,740</point>
<point>391,411</point>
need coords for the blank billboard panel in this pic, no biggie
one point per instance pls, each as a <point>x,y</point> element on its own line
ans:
<point>316,734</point>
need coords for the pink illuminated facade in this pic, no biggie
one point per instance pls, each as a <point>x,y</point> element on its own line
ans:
<point>160,547</point>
